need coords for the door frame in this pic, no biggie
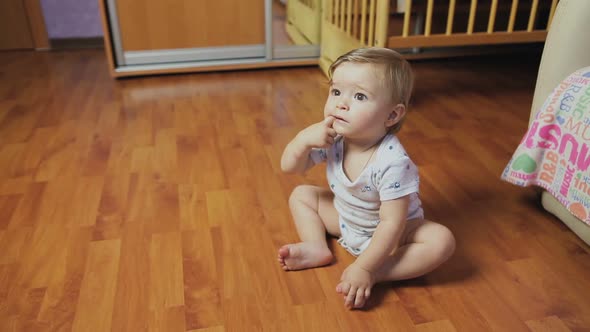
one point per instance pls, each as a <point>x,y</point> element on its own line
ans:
<point>37,24</point>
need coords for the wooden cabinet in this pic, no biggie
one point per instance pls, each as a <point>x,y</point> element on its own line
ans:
<point>154,36</point>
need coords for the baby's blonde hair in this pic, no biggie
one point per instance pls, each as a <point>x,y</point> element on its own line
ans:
<point>397,73</point>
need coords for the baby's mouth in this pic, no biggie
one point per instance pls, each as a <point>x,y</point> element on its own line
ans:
<point>339,118</point>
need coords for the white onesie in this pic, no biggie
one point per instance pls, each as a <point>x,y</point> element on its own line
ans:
<point>391,175</point>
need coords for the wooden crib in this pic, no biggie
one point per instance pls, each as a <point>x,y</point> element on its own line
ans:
<point>303,21</point>
<point>350,24</point>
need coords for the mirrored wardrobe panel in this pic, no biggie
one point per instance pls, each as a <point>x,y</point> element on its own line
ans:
<point>151,36</point>
<point>296,28</point>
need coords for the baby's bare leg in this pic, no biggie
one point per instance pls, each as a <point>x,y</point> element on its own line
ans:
<point>423,247</point>
<point>314,214</point>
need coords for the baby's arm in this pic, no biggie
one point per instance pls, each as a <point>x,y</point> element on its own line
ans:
<point>392,214</point>
<point>359,277</point>
<point>296,157</point>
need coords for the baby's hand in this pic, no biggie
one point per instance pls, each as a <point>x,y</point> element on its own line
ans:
<point>355,285</point>
<point>319,135</point>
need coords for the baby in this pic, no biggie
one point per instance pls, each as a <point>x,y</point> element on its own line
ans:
<point>372,205</point>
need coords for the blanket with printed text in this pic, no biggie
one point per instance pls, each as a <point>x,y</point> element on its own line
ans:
<point>555,151</point>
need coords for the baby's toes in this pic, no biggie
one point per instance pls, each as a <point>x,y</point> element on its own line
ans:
<point>360,299</point>
<point>343,288</point>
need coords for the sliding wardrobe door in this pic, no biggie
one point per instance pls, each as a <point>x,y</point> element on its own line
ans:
<point>148,32</point>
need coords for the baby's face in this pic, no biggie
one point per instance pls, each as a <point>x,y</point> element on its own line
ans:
<point>359,101</point>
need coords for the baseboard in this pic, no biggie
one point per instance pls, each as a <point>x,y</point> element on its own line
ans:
<point>74,43</point>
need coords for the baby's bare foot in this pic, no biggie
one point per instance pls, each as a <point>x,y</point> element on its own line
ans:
<point>304,255</point>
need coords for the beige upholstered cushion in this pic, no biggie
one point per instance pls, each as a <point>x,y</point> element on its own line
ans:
<point>576,225</point>
<point>566,50</point>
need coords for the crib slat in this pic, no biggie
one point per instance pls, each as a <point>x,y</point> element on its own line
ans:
<point>332,12</point>
<point>471,17</point>
<point>371,39</point>
<point>335,10</point>
<point>533,15</point>
<point>343,10</point>
<point>450,17</point>
<point>381,24</point>
<point>512,15</point>
<point>340,5</point>
<point>407,17</point>
<point>336,13</point>
<point>343,13</point>
<point>492,18</point>
<point>355,22</point>
<point>363,22</point>
<point>349,17</point>
<point>551,12</point>
<point>428,25</point>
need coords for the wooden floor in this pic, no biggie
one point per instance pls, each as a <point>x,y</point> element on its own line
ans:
<point>158,204</point>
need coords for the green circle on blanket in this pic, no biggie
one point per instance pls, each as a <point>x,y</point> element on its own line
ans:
<point>524,163</point>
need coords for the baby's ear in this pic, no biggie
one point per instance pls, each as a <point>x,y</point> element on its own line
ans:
<point>397,113</point>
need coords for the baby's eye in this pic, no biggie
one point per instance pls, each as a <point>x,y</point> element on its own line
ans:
<point>335,92</point>
<point>360,96</point>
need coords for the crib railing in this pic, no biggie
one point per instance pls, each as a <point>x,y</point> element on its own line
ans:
<point>366,22</point>
<point>304,21</point>
<point>309,3</point>
<point>469,37</point>
<point>350,24</point>
<point>359,19</point>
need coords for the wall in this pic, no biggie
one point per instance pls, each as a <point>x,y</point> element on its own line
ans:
<point>72,18</point>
